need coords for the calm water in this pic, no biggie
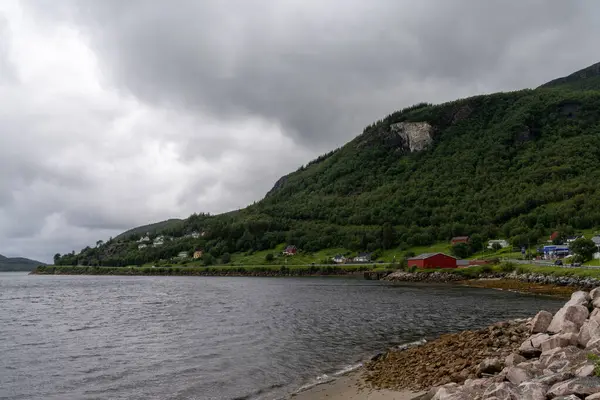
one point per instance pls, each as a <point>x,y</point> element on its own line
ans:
<point>215,338</point>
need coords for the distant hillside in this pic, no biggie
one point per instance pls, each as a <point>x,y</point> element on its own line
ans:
<point>584,79</point>
<point>512,165</point>
<point>18,264</point>
<point>151,228</point>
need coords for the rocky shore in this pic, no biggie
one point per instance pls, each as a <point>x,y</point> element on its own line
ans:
<point>545,357</point>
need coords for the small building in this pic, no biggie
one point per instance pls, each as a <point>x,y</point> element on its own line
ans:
<point>290,251</point>
<point>459,239</point>
<point>182,254</point>
<point>144,239</point>
<point>198,254</point>
<point>362,258</point>
<point>159,241</point>
<point>503,243</point>
<point>142,246</point>
<point>555,251</point>
<point>339,259</point>
<point>432,261</point>
<point>193,235</point>
<point>571,239</point>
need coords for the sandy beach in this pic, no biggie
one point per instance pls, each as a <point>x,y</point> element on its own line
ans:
<point>347,388</point>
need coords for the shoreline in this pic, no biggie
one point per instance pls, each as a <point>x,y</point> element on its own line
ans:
<point>351,386</point>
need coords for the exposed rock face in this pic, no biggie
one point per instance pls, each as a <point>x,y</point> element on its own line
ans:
<point>415,135</point>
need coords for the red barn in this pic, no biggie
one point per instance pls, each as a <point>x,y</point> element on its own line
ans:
<point>459,239</point>
<point>432,260</point>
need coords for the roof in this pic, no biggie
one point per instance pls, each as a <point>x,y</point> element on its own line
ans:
<point>596,239</point>
<point>428,255</point>
<point>460,237</point>
<point>364,254</point>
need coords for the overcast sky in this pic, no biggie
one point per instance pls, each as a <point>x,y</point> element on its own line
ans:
<point>120,113</point>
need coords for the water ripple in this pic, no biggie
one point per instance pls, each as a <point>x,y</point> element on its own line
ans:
<point>178,338</point>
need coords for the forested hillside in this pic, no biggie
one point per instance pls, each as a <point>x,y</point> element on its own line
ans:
<point>18,264</point>
<point>513,165</point>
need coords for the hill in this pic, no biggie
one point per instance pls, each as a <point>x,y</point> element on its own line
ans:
<point>514,165</point>
<point>18,264</point>
<point>151,228</point>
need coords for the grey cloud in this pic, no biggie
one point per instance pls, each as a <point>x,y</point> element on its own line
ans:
<point>296,64</point>
<point>202,105</point>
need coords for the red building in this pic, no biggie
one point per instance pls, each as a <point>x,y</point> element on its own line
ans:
<point>432,260</point>
<point>290,251</point>
<point>459,239</point>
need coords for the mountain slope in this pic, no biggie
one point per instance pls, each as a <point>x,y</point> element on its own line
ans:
<point>150,228</point>
<point>18,264</point>
<point>584,79</point>
<point>513,165</point>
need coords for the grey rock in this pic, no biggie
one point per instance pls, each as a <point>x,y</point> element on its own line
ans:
<point>550,380</point>
<point>533,391</point>
<point>585,370</point>
<point>568,318</point>
<point>513,359</point>
<point>538,339</point>
<point>541,321</point>
<point>585,386</point>
<point>571,353</point>
<point>490,366</point>
<point>595,396</point>
<point>502,391</point>
<point>595,293</point>
<point>579,298</point>
<point>518,375</point>
<point>562,340</point>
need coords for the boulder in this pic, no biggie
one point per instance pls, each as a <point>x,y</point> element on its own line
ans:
<point>533,391</point>
<point>585,370</point>
<point>562,340</point>
<point>568,318</point>
<point>596,302</point>
<point>557,366</point>
<point>595,293</point>
<point>540,322</point>
<point>571,353</point>
<point>580,387</point>
<point>513,359</point>
<point>595,313</point>
<point>490,366</point>
<point>502,391</point>
<point>595,396</point>
<point>538,339</point>
<point>579,298</point>
<point>551,379</point>
<point>570,397</point>
<point>450,391</point>
<point>517,375</point>
<point>590,330</point>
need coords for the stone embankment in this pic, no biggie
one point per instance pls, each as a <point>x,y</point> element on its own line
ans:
<point>451,276</point>
<point>545,357</point>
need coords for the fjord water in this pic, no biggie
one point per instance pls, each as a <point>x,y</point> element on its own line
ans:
<point>86,337</point>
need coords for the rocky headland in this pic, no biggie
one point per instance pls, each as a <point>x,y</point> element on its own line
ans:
<point>549,356</point>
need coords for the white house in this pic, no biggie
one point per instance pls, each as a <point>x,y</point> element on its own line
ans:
<point>339,259</point>
<point>144,239</point>
<point>503,243</point>
<point>362,258</point>
<point>182,254</point>
<point>571,239</point>
<point>159,241</point>
<point>142,246</point>
<point>195,235</point>
<point>596,240</point>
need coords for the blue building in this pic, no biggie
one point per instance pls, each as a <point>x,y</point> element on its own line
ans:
<point>555,251</point>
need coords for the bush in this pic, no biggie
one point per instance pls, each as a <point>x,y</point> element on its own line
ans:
<point>409,254</point>
<point>269,257</point>
<point>507,267</point>
<point>486,269</point>
<point>413,268</point>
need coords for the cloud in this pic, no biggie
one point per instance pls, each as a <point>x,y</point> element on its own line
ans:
<point>115,114</point>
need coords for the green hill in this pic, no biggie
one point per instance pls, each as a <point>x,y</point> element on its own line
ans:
<point>18,264</point>
<point>513,165</point>
<point>151,228</point>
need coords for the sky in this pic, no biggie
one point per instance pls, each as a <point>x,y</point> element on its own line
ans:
<point>114,114</point>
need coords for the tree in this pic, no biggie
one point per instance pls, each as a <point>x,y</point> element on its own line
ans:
<point>387,236</point>
<point>99,243</point>
<point>207,259</point>
<point>269,257</point>
<point>476,242</point>
<point>56,258</point>
<point>225,258</point>
<point>461,250</point>
<point>496,246</point>
<point>583,249</point>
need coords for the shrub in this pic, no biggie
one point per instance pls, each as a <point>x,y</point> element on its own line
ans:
<point>413,268</point>
<point>486,269</point>
<point>507,266</point>
<point>269,257</point>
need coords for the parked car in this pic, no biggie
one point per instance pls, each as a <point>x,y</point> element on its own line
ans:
<point>558,262</point>
<point>576,264</point>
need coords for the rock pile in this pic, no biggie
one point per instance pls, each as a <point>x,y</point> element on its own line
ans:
<point>553,362</point>
<point>451,358</point>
